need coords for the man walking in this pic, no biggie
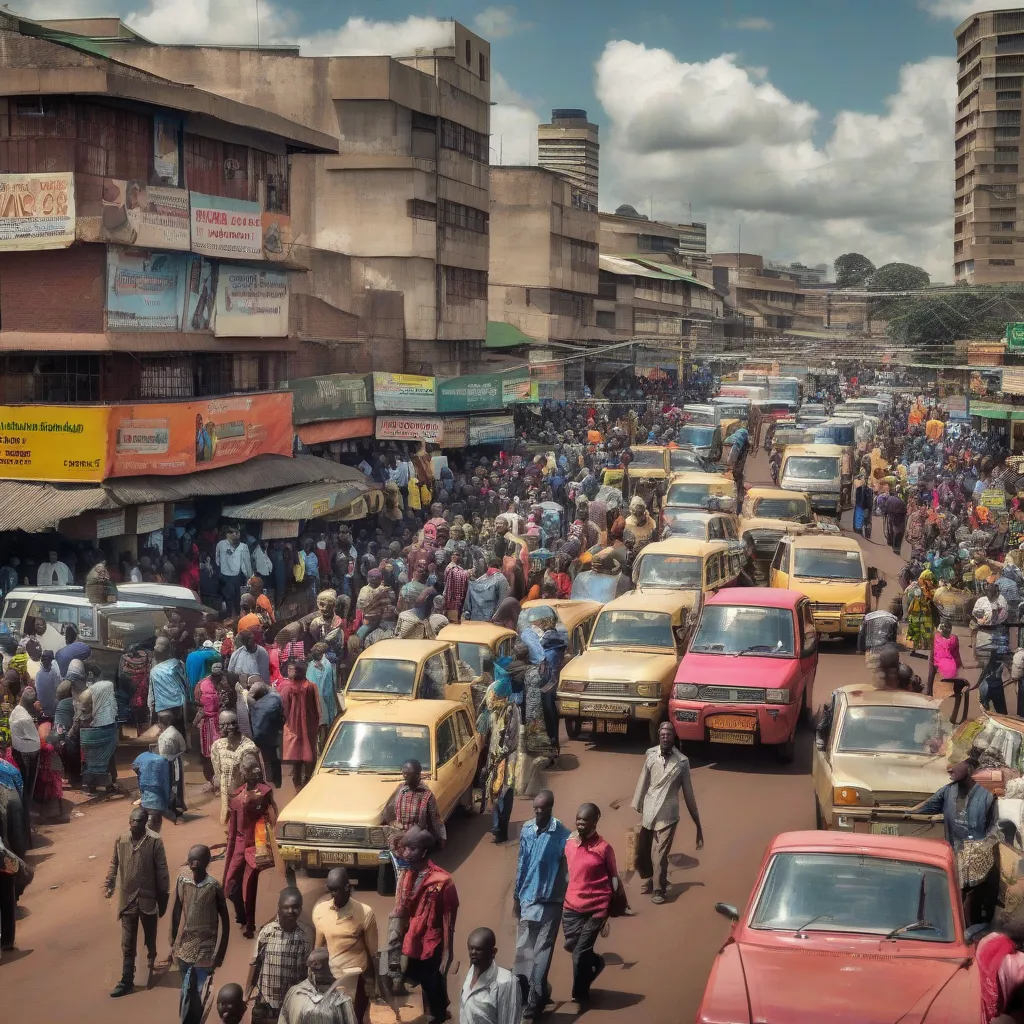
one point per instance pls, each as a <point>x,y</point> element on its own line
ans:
<point>266,720</point>
<point>490,994</point>
<point>248,658</point>
<point>234,567</point>
<point>25,742</point>
<point>537,900</point>
<point>139,869</point>
<point>168,685</point>
<point>664,774</point>
<point>279,962</point>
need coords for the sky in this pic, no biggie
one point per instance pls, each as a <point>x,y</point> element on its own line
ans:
<point>805,128</point>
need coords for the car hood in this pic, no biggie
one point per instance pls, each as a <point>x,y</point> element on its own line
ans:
<point>844,987</point>
<point>619,665</point>
<point>728,670</point>
<point>829,591</point>
<point>891,773</point>
<point>343,798</point>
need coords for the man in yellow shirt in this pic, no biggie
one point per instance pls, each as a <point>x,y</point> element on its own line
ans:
<point>349,931</point>
<point>934,429</point>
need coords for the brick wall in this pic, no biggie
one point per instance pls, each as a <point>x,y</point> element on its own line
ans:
<point>53,290</point>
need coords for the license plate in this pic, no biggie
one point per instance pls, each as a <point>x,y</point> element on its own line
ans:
<point>745,739</point>
<point>336,857</point>
<point>604,709</point>
<point>885,830</point>
<point>616,727</point>
<point>733,723</point>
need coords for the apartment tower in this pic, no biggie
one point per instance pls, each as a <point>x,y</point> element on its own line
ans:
<point>988,228</point>
<point>569,146</point>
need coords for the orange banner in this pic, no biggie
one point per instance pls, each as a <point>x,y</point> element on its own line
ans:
<point>172,438</point>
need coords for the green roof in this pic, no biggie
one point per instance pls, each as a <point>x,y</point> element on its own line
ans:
<point>674,271</point>
<point>503,335</point>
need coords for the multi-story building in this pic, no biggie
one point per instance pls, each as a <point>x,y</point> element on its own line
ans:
<point>988,221</point>
<point>801,273</point>
<point>569,146</point>
<point>628,233</point>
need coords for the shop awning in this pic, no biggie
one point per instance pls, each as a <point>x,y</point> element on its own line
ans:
<point>503,335</point>
<point>335,500</point>
<point>991,412</point>
<point>36,508</point>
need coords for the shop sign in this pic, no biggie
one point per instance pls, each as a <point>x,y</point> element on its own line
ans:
<point>334,396</point>
<point>471,392</point>
<point>403,392</point>
<point>251,303</point>
<point>279,529</point>
<point>151,216</point>
<point>226,227</point>
<point>429,429</point>
<point>549,380</point>
<point>149,518</point>
<point>168,439</point>
<point>201,277</point>
<point>1015,337</point>
<point>517,386</point>
<point>37,211</point>
<point>58,443</point>
<point>167,149</point>
<point>335,430</point>
<point>456,432</point>
<point>145,290</point>
<point>994,499</point>
<point>112,525</point>
<point>491,429</point>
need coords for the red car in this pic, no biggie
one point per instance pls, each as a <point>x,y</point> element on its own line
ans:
<point>749,670</point>
<point>849,929</point>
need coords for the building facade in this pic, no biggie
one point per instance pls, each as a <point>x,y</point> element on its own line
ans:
<point>988,236</point>
<point>569,146</point>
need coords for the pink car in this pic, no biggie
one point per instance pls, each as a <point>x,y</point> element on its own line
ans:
<point>849,929</point>
<point>749,670</point>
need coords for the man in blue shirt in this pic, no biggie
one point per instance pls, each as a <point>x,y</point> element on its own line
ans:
<point>541,881</point>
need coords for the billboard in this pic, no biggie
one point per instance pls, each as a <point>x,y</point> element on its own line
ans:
<point>66,443</point>
<point>403,392</point>
<point>181,437</point>
<point>226,227</point>
<point>410,428</point>
<point>150,216</point>
<point>252,302</point>
<point>145,290</point>
<point>491,429</point>
<point>333,396</point>
<point>37,211</point>
<point>277,235</point>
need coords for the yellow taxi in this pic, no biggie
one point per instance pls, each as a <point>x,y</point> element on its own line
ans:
<point>576,616</point>
<point>338,818</point>
<point>649,471</point>
<point>407,669</point>
<point>477,644</point>
<point>708,491</point>
<point>829,571</point>
<point>701,567</point>
<point>769,514</point>
<point>626,673</point>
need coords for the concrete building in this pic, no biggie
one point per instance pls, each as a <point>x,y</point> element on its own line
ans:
<point>628,233</point>
<point>801,273</point>
<point>569,146</point>
<point>988,235</point>
<point>395,219</point>
<point>544,257</point>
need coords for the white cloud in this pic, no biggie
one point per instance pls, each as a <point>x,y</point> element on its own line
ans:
<point>754,25</point>
<point>366,37</point>
<point>958,10</point>
<point>210,21</point>
<point>740,151</point>
<point>514,123</point>
<point>498,23</point>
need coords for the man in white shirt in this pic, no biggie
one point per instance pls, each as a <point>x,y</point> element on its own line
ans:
<point>53,573</point>
<point>234,567</point>
<point>25,743</point>
<point>490,994</point>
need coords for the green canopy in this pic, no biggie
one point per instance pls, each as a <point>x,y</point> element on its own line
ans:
<point>503,335</point>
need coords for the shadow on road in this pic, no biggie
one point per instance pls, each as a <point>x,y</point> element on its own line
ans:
<point>755,760</point>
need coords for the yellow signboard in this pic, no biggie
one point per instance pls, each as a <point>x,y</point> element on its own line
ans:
<point>64,443</point>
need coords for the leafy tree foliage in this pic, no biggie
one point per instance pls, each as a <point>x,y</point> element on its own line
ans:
<point>897,277</point>
<point>934,319</point>
<point>852,270</point>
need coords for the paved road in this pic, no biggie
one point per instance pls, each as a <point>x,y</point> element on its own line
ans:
<point>658,960</point>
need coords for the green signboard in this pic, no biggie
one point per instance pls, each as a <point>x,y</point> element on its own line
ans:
<point>1015,337</point>
<point>478,392</point>
<point>334,396</point>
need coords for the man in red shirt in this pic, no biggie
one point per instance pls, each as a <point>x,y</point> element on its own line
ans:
<point>592,877</point>
<point>426,905</point>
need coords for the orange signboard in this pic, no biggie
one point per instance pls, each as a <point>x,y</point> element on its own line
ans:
<point>171,438</point>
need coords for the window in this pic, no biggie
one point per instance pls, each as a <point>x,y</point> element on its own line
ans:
<point>740,629</point>
<point>810,631</point>
<point>464,140</point>
<point>713,572</point>
<point>447,743</point>
<point>675,571</point>
<point>606,320</point>
<point>435,678</point>
<point>461,285</point>
<point>456,215</point>
<point>379,675</point>
<point>483,68</point>
<point>464,731</point>
<point>423,122</point>
<point>469,54</point>
<point>421,209</point>
<point>781,559</point>
<point>582,254</point>
<point>1001,263</point>
<point>378,746</point>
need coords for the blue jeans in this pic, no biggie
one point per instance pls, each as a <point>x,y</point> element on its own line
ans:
<point>193,979</point>
<point>535,942</point>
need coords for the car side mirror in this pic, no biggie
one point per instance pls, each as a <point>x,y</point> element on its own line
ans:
<point>727,910</point>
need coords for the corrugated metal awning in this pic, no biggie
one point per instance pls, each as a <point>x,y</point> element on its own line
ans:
<point>309,501</point>
<point>36,508</point>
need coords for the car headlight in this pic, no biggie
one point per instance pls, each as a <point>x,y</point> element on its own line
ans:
<point>572,685</point>
<point>856,608</point>
<point>776,696</point>
<point>290,830</point>
<point>684,691</point>
<point>648,690</point>
<point>851,796</point>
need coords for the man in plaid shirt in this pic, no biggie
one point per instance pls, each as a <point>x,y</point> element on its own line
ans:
<point>456,585</point>
<point>414,804</point>
<point>279,962</point>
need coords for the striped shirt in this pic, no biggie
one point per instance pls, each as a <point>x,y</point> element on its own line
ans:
<point>140,868</point>
<point>282,957</point>
<point>197,940</point>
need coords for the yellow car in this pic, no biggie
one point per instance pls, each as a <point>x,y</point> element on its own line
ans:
<point>697,566</point>
<point>714,492</point>
<point>478,644</point>
<point>626,673</point>
<point>829,570</point>
<point>406,669</point>
<point>776,503</point>
<point>338,816</point>
<point>576,616</point>
<point>887,752</point>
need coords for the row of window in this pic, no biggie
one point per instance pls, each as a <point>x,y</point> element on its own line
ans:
<point>457,215</point>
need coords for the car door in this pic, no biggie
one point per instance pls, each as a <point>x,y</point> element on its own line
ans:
<point>712,573</point>
<point>821,763</point>
<point>448,772</point>
<point>453,689</point>
<point>470,746</point>
<point>807,638</point>
<point>780,567</point>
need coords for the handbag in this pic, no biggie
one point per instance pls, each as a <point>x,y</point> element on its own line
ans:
<point>263,853</point>
<point>975,860</point>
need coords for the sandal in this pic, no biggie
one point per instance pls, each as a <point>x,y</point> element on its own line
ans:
<point>658,897</point>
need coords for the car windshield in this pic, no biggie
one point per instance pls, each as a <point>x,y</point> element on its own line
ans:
<point>383,675</point>
<point>697,495</point>
<point>60,616</point>
<point>685,524</point>
<point>647,459</point>
<point>812,467</point>
<point>669,571</point>
<point>682,460</point>
<point>887,729</point>
<point>696,436</point>
<point>378,746</point>
<point>699,415</point>
<point>632,629</point>
<point>738,629</point>
<point>836,892</point>
<point>14,612</point>
<point>793,509</point>
<point>828,564</point>
<point>477,656</point>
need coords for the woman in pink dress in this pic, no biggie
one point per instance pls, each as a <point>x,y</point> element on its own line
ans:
<point>208,697</point>
<point>300,703</point>
<point>946,659</point>
<point>251,802</point>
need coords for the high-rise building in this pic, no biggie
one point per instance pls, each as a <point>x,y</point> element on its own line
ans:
<point>569,146</point>
<point>988,227</point>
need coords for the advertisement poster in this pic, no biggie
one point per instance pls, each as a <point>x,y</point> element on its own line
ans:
<point>403,392</point>
<point>410,428</point>
<point>59,443</point>
<point>145,290</point>
<point>516,386</point>
<point>491,429</point>
<point>251,303</point>
<point>135,213</point>
<point>200,293</point>
<point>182,437</point>
<point>456,432</point>
<point>37,211</point>
<point>277,235</point>
<point>334,396</point>
<point>226,227</point>
<point>549,381</point>
<point>167,149</point>
<point>470,393</point>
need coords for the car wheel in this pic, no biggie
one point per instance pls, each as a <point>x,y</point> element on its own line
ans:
<point>819,818</point>
<point>785,752</point>
<point>572,727</point>
<point>386,878</point>
<point>806,714</point>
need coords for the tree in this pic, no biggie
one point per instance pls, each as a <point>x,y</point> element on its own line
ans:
<point>897,277</point>
<point>852,270</point>
<point>932,320</point>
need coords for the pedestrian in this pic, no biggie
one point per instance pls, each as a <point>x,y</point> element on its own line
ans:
<point>54,572</point>
<point>252,815</point>
<point>138,868</point>
<point>318,999</point>
<point>537,900</point>
<point>279,960</point>
<point>73,649</point>
<point>991,644</point>
<point>198,661</point>
<point>948,665</point>
<point>863,506</point>
<point>168,684</point>
<point>300,703</point>
<point>248,658</point>
<point>225,757</point>
<point>919,602</point>
<point>592,879</point>
<point>207,695</point>
<point>248,619</point>
<point>231,1005</point>
<point>97,711</point>
<point>426,905</point>
<point>266,719</point>
<point>48,678</point>
<point>324,676</point>
<point>154,780</point>
<point>894,511</point>
<point>25,742</point>
<point>234,567</point>
<point>490,994</point>
<point>500,721</point>
<point>665,774</point>
<point>199,930</point>
<point>348,930</point>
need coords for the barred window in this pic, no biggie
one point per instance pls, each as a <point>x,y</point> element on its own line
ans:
<point>462,284</point>
<point>457,215</point>
<point>464,140</point>
<point>582,253</point>
<point>421,209</point>
<point>423,122</point>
